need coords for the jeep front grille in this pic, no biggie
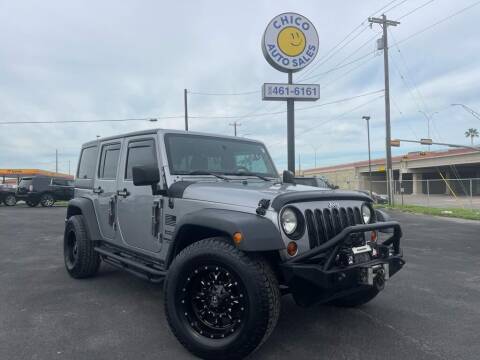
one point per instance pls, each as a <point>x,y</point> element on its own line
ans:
<point>324,224</point>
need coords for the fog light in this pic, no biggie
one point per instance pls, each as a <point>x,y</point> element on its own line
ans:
<point>292,248</point>
<point>237,238</point>
<point>373,236</point>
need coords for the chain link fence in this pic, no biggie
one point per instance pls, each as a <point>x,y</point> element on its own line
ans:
<point>439,193</point>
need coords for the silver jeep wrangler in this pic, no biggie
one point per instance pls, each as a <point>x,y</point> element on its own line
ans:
<point>209,216</point>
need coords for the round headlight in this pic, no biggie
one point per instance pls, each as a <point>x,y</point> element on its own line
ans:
<point>366,213</point>
<point>289,221</point>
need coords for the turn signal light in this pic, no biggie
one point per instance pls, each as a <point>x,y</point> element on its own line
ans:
<point>292,248</point>
<point>237,238</point>
<point>373,236</point>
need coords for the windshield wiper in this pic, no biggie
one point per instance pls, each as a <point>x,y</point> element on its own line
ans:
<point>204,172</point>
<point>247,173</point>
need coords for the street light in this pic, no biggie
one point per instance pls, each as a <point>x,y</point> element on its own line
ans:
<point>367,118</point>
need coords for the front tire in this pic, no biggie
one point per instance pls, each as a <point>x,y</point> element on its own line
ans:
<point>47,200</point>
<point>221,302</point>
<point>81,260</point>
<point>10,200</point>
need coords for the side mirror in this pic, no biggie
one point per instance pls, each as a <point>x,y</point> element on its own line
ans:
<point>145,175</point>
<point>288,177</point>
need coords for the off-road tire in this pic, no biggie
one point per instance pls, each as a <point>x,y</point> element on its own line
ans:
<point>47,200</point>
<point>10,200</point>
<point>86,261</point>
<point>356,299</point>
<point>31,203</point>
<point>262,299</point>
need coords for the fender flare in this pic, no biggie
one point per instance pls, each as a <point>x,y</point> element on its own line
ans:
<point>84,207</point>
<point>382,216</point>
<point>259,233</point>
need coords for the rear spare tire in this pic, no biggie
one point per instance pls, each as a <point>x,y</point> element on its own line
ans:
<point>220,302</point>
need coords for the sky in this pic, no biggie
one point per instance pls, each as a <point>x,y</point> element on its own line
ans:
<point>94,60</point>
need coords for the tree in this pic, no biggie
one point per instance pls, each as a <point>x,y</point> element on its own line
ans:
<point>471,133</point>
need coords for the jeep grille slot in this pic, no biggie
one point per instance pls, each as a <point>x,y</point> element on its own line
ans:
<point>322,225</point>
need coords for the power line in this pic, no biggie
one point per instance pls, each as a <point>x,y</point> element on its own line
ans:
<point>416,9</point>
<point>396,5</point>
<point>332,119</point>
<point>284,111</point>
<point>224,93</point>
<point>438,22</point>
<point>89,121</point>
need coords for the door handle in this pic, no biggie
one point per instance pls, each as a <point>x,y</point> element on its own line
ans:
<point>123,193</point>
<point>98,190</point>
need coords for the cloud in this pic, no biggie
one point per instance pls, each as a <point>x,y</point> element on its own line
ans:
<point>111,60</point>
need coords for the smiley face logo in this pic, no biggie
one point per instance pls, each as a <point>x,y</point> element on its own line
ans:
<point>291,41</point>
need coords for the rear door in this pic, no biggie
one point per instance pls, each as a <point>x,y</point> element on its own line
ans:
<point>135,204</point>
<point>105,186</point>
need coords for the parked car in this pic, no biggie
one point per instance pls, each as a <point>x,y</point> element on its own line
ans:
<point>44,190</point>
<point>316,181</point>
<point>377,198</point>
<point>209,217</point>
<point>7,195</point>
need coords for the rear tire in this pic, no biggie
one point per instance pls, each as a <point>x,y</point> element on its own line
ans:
<point>47,200</point>
<point>220,302</point>
<point>10,200</point>
<point>356,299</point>
<point>81,260</point>
<point>31,203</point>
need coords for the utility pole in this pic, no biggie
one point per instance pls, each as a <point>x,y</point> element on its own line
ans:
<point>291,128</point>
<point>56,161</point>
<point>369,156</point>
<point>68,167</point>
<point>385,24</point>
<point>186,108</point>
<point>235,124</point>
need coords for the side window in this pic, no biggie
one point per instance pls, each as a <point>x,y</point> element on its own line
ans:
<point>88,158</point>
<point>59,182</point>
<point>140,153</point>
<point>107,168</point>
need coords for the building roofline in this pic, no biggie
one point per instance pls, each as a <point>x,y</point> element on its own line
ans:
<point>412,156</point>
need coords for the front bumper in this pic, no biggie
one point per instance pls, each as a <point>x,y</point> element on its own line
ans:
<point>313,277</point>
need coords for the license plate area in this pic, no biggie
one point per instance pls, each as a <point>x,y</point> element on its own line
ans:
<point>368,274</point>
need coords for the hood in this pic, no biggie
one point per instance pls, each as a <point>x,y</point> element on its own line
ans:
<point>249,193</point>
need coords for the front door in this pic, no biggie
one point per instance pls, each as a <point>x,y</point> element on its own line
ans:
<point>137,210</point>
<point>105,186</point>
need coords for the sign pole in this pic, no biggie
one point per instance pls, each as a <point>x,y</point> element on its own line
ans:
<point>291,128</point>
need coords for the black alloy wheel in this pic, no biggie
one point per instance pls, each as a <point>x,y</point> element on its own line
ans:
<point>71,249</point>
<point>212,301</point>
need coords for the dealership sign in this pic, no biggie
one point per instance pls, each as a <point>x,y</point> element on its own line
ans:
<point>290,42</point>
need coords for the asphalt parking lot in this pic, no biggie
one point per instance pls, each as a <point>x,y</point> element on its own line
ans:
<point>430,310</point>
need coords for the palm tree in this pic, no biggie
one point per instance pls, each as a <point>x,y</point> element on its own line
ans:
<point>471,133</point>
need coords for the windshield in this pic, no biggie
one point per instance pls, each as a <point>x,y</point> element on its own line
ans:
<point>194,153</point>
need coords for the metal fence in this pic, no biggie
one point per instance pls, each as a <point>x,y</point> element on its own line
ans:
<point>441,193</point>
